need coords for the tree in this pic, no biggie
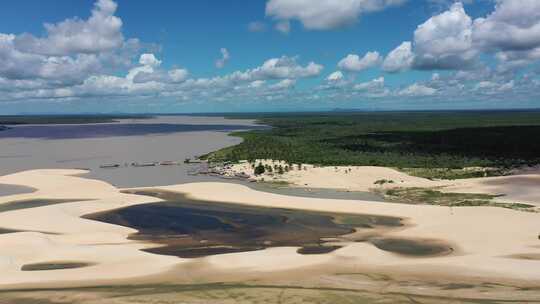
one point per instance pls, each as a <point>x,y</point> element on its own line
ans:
<point>280,169</point>
<point>259,169</point>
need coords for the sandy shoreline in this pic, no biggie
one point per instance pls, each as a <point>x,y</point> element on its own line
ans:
<point>489,242</point>
<point>520,187</point>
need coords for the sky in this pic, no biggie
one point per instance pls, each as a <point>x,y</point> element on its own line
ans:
<point>86,56</point>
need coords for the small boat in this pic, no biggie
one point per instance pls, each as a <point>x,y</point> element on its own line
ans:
<point>242,175</point>
<point>168,163</point>
<point>109,166</point>
<point>143,164</point>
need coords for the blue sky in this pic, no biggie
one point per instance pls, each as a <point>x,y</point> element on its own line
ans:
<point>214,56</point>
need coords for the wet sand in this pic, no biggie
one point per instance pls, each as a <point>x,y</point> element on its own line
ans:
<point>12,189</point>
<point>240,293</point>
<point>33,203</point>
<point>315,192</point>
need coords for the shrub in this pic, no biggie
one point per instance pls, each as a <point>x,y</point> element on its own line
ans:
<point>259,169</point>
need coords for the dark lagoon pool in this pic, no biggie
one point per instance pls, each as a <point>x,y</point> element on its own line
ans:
<point>190,228</point>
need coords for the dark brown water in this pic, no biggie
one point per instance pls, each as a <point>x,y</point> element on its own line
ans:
<point>6,231</point>
<point>32,203</point>
<point>412,247</point>
<point>53,266</point>
<point>189,228</point>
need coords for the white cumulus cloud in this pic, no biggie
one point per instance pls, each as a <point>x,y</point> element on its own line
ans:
<point>335,76</point>
<point>417,90</point>
<point>513,25</point>
<point>377,83</point>
<point>444,41</point>
<point>149,60</point>
<point>353,63</point>
<point>101,32</point>
<point>283,26</point>
<point>400,59</point>
<point>225,56</point>
<point>325,14</point>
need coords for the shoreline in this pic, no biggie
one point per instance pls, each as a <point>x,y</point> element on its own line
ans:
<point>143,141</point>
<point>518,187</point>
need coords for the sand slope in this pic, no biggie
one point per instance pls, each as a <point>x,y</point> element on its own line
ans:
<point>483,236</point>
<point>57,233</point>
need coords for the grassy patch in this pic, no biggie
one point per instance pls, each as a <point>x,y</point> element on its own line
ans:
<point>449,173</point>
<point>277,184</point>
<point>434,197</point>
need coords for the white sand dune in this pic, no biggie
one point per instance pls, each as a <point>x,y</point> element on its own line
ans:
<point>63,236</point>
<point>483,237</point>
<point>523,187</point>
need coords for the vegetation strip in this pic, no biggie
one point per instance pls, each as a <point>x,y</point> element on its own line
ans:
<point>426,144</point>
<point>434,197</point>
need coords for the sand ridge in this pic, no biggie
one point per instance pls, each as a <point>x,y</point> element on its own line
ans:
<point>64,236</point>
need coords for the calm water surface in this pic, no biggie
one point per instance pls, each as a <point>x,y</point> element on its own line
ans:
<point>167,138</point>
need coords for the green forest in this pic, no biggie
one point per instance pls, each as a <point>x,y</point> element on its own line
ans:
<point>430,144</point>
